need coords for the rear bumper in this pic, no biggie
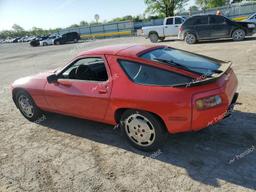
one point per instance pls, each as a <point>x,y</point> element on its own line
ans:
<point>204,118</point>
<point>217,115</point>
<point>231,106</point>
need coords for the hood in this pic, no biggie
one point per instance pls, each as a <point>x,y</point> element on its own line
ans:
<point>244,23</point>
<point>33,81</point>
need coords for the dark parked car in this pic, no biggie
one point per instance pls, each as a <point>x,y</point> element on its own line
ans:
<point>203,27</point>
<point>67,37</point>
<point>15,40</point>
<point>36,42</point>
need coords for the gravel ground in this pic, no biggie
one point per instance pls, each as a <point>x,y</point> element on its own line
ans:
<point>62,153</point>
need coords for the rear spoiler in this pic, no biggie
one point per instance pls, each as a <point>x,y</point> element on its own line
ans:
<point>203,80</point>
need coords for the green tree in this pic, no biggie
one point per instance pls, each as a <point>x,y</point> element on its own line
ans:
<point>73,26</point>
<point>164,8</point>
<point>83,23</point>
<point>206,4</point>
<point>17,28</point>
<point>193,8</point>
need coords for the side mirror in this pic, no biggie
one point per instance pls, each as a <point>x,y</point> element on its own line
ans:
<point>52,78</point>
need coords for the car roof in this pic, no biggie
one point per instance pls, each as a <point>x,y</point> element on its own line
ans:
<point>205,15</point>
<point>130,50</point>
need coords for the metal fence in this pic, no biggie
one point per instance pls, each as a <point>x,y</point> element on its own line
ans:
<point>232,10</point>
<point>103,30</point>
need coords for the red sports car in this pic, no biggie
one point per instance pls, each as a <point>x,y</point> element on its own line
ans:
<point>148,90</point>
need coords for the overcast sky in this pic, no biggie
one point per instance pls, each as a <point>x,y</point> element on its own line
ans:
<point>63,13</point>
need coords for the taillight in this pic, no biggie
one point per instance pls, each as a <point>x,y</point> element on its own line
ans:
<point>208,102</point>
<point>181,29</point>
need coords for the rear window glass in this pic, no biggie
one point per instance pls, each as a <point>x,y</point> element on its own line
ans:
<point>148,75</point>
<point>191,61</point>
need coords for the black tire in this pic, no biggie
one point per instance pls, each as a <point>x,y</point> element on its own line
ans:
<point>153,37</point>
<point>190,38</point>
<point>238,35</point>
<point>75,40</point>
<point>161,38</point>
<point>57,43</point>
<point>44,44</point>
<point>36,114</point>
<point>147,124</point>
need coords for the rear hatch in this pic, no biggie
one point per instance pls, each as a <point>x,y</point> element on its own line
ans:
<point>211,77</point>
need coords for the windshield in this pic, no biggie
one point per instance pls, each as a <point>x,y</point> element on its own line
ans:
<point>184,59</point>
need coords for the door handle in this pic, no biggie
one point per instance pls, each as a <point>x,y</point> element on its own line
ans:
<point>102,91</point>
<point>176,26</point>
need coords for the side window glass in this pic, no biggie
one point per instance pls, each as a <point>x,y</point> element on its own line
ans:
<point>148,75</point>
<point>217,20</point>
<point>178,20</point>
<point>201,20</point>
<point>169,21</point>
<point>90,69</point>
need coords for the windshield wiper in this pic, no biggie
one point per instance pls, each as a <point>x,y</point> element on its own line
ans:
<point>173,63</point>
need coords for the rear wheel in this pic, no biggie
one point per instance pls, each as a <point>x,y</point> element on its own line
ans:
<point>75,40</point>
<point>153,37</point>
<point>27,106</point>
<point>238,35</point>
<point>44,43</point>
<point>190,38</point>
<point>143,130</point>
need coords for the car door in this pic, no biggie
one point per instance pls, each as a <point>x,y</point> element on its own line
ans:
<point>201,26</point>
<point>69,37</point>
<point>169,29</point>
<point>219,28</point>
<point>85,95</point>
<point>64,38</point>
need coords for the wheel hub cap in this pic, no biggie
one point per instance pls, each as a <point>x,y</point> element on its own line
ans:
<point>140,130</point>
<point>26,106</point>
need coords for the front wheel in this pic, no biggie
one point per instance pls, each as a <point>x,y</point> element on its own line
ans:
<point>238,35</point>
<point>27,106</point>
<point>143,130</point>
<point>153,37</point>
<point>190,38</point>
<point>57,43</point>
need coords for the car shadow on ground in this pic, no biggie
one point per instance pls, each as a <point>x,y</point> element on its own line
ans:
<point>224,152</point>
<point>251,38</point>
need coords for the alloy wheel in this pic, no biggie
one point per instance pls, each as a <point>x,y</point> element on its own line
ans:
<point>26,106</point>
<point>238,35</point>
<point>140,130</point>
<point>190,38</point>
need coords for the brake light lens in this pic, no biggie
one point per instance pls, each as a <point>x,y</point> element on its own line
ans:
<point>208,102</point>
<point>181,29</point>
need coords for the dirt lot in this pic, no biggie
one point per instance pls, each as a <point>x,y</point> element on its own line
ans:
<point>68,154</point>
